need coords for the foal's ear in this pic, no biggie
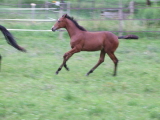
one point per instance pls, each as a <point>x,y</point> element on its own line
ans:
<point>65,15</point>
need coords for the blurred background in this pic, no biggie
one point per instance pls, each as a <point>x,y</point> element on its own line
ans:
<point>29,88</point>
<point>140,17</point>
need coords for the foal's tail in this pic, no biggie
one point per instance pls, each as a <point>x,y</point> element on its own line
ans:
<point>128,37</point>
<point>10,39</point>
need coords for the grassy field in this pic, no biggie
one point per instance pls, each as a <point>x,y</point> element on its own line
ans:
<point>30,90</point>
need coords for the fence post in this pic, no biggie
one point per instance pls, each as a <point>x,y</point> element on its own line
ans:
<point>131,7</point>
<point>120,15</point>
<point>20,3</point>
<point>33,10</point>
<point>60,15</point>
<point>46,10</point>
<point>68,8</point>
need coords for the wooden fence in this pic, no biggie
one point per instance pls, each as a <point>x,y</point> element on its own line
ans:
<point>119,15</point>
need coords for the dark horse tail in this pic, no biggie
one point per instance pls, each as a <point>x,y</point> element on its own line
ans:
<point>128,37</point>
<point>10,39</point>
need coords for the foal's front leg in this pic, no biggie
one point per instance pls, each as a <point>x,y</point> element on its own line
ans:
<point>65,66</point>
<point>66,56</point>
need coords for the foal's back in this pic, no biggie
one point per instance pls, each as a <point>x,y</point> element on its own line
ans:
<point>94,41</point>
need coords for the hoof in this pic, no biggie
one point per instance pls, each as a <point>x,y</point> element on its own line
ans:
<point>56,73</point>
<point>67,69</point>
<point>87,74</point>
<point>114,75</point>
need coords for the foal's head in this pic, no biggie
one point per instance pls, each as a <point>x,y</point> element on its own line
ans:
<point>60,23</point>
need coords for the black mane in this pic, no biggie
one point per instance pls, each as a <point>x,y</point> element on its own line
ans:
<point>75,22</point>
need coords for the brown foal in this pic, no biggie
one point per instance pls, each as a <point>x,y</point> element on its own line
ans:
<point>83,40</point>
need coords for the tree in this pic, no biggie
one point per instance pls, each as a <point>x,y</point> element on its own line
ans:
<point>148,2</point>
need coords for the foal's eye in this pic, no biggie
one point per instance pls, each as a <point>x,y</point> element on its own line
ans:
<point>59,21</point>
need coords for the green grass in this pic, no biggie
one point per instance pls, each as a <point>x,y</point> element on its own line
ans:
<point>30,89</point>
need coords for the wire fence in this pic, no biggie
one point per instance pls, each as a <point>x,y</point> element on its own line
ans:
<point>122,17</point>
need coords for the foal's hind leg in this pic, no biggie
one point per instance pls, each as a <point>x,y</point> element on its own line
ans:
<point>101,59</point>
<point>115,60</point>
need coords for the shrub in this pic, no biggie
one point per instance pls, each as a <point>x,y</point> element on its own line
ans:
<point>149,13</point>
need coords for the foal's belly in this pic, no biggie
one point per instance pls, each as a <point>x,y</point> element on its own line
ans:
<point>92,47</point>
<point>93,41</point>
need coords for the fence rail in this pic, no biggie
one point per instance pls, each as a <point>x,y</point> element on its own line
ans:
<point>29,20</point>
<point>52,20</point>
<point>65,30</point>
<point>28,8</point>
<point>59,11</point>
<point>29,30</point>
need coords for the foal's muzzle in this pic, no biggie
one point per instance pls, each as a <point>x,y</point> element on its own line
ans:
<point>54,29</point>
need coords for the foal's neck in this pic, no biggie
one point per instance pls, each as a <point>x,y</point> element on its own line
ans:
<point>72,28</point>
